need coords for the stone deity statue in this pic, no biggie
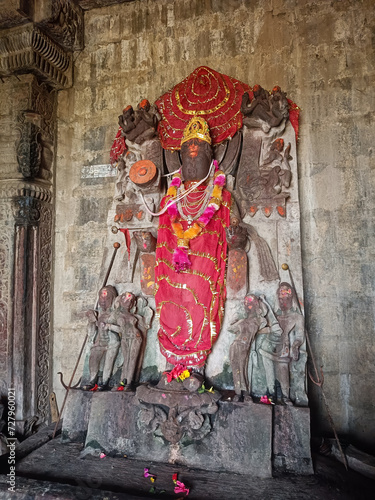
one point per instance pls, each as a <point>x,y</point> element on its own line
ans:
<point>281,349</point>
<point>125,323</point>
<point>246,329</point>
<point>105,341</point>
<point>191,252</point>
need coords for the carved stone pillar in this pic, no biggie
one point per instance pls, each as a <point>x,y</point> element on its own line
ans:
<point>36,44</point>
<point>31,307</point>
<point>27,118</point>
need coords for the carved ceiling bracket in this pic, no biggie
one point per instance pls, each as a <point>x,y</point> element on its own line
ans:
<point>26,49</point>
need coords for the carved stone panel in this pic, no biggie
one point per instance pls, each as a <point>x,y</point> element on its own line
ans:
<point>237,274</point>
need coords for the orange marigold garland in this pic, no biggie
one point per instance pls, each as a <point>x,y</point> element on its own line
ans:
<point>181,259</point>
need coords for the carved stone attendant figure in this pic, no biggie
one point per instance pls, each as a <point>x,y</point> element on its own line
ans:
<point>105,341</point>
<point>125,324</point>
<point>191,252</point>
<point>281,349</point>
<point>293,326</point>
<point>246,330</point>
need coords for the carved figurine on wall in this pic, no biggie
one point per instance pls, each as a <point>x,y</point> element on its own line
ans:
<point>246,330</point>
<point>264,111</point>
<point>123,167</point>
<point>131,328</point>
<point>140,125</point>
<point>105,341</point>
<point>190,255</point>
<point>281,350</point>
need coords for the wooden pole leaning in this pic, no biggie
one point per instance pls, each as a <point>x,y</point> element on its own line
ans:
<point>319,379</point>
<point>116,246</point>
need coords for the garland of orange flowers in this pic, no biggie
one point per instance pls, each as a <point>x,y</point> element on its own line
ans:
<point>180,256</point>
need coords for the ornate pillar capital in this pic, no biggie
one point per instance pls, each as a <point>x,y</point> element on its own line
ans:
<point>26,49</point>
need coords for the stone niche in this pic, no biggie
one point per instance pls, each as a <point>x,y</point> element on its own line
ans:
<point>238,404</point>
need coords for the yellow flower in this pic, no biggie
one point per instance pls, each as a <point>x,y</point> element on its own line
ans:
<point>216,193</point>
<point>172,191</point>
<point>185,374</point>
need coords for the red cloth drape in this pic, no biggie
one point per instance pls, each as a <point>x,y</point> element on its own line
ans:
<point>190,304</point>
<point>207,93</point>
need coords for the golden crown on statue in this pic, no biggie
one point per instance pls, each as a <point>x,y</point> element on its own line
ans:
<point>197,128</point>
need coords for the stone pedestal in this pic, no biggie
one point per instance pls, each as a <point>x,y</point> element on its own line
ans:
<point>291,440</point>
<point>240,440</point>
<point>76,416</point>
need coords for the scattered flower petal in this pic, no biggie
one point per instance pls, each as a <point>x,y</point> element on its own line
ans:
<point>181,488</point>
<point>146,473</point>
<point>201,389</point>
<point>265,400</point>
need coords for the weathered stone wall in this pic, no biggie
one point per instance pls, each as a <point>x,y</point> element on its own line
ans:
<point>322,54</point>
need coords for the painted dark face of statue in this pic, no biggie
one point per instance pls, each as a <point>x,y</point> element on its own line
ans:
<point>105,299</point>
<point>252,305</point>
<point>196,156</point>
<point>285,297</point>
<point>127,300</point>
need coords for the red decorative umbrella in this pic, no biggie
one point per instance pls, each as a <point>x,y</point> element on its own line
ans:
<point>207,93</point>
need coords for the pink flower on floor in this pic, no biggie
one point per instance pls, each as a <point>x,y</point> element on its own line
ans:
<point>181,488</point>
<point>265,400</point>
<point>147,474</point>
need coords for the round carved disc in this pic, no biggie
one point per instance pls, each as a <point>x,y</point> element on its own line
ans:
<point>143,173</point>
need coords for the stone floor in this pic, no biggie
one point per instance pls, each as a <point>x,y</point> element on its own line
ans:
<point>57,471</point>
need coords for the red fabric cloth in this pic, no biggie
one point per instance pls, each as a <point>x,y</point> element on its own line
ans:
<point>190,304</point>
<point>212,95</point>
